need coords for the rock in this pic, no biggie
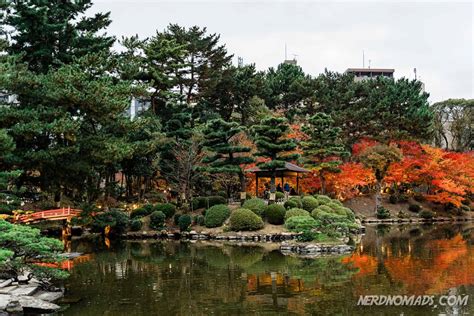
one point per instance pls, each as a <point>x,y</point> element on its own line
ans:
<point>4,300</point>
<point>24,290</point>
<point>36,304</point>
<point>14,306</point>
<point>49,296</point>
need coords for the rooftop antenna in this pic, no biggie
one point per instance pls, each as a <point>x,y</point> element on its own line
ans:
<point>240,61</point>
<point>414,70</point>
<point>294,56</point>
<point>363,59</point>
<point>369,63</point>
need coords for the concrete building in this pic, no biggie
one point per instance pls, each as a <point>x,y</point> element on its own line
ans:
<point>368,73</point>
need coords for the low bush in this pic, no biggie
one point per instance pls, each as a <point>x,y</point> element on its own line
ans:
<point>176,219</point>
<point>184,222</point>
<point>415,208</point>
<point>427,214</point>
<point>245,219</point>
<point>301,223</point>
<point>222,193</point>
<point>393,199</point>
<point>199,202</point>
<point>465,208</point>
<point>297,200</point>
<point>279,195</point>
<point>216,215</point>
<point>295,212</point>
<point>319,209</point>
<point>256,205</point>
<point>382,213</point>
<point>118,221</point>
<point>330,218</point>
<point>309,203</point>
<point>167,208</point>
<point>275,214</point>
<point>216,200</point>
<point>333,205</point>
<point>323,199</point>
<point>136,225</point>
<point>290,204</point>
<point>199,220</point>
<point>141,212</point>
<point>157,220</point>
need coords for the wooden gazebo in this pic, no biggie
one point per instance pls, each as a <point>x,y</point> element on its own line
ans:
<point>289,171</point>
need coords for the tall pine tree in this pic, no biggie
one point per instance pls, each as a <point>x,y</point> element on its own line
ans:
<point>271,144</point>
<point>51,33</point>
<point>225,155</point>
<point>323,151</point>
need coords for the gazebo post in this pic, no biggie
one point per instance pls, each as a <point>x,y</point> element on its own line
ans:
<point>297,184</point>
<point>256,184</point>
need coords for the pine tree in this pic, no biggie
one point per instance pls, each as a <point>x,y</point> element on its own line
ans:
<point>323,151</point>
<point>225,155</point>
<point>51,33</point>
<point>271,144</point>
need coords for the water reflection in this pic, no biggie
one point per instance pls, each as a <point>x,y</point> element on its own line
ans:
<point>169,278</point>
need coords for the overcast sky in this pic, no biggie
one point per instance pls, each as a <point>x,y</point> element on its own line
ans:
<point>436,38</point>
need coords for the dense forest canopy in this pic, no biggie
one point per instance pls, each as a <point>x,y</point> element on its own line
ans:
<point>68,135</point>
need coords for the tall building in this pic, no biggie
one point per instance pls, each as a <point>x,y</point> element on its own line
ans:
<point>368,73</point>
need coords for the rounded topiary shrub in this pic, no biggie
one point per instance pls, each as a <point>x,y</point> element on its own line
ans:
<point>184,222</point>
<point>199,202</point>
<point>157,220</point>
<point>383,213</point>
<point>136,225</point>
<point>176,219</point>
<point>295,212</point>
<point>321,209</point>
<point>290,204</point>
<point>297,200</point>
<point>301,223</point>
<point>309,203</point>
<point>323,199</point>
<point>216,215</point>
<point>275,214</point>
<point>141,212</point>
<point>167,208</point>
<point>415,208</point>
<point>216,200</point>
<point>245,219</point>
<point>279,195</point>
<point>256,205</point>
<point>426,214</point>
<point>199,220</point>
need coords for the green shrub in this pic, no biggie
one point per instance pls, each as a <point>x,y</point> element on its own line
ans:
<point>184,222</point>
<point>157,219</point>
<point>141,212</point>
<point>176,219</point>
<point>427,214</point>
<point>279,195</point>
<point>256,205</point>
<point>393,199</point>
<point>419,197</point>
<point>290,204</point>
<point>329,218</point>
<point>309,203</point>
<point>319,209</point>
<point>297,200</point>
<point>216,200</point>
<point>136,225</point>
<point>167,208</point>
<point>275,214</point>
<point>199,220</point>
<point>323,199</point>
<point>382,213</point>
<point>117,220</point>
<point>465,208</point>
<point>415,208</point>
<point>216,215</point>
<point>222,193</point>
<point>199,202</point>
<point>301,223</point>
<point>245,219</point>
<point>333,205</point>
<point>295,212</point>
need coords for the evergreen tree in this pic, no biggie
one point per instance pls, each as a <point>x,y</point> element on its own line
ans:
<point>51,33</point>
<point>323,151</point>
<point>226,156</point>
<point>271,144</point>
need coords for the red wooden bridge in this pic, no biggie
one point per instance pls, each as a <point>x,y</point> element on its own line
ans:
<point>49,215</point>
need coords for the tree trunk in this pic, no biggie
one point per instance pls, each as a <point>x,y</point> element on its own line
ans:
<point>378,196</point>
<point>243,188</point>
<point>323,182</point>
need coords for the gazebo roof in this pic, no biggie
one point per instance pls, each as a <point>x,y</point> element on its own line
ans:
<point>288,167</point>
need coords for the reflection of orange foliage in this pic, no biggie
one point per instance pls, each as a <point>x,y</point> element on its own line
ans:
<point>448,264</point>
<point>66,264</point>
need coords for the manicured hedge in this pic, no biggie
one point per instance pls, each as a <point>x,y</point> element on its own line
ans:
<point>275,214</point>
<point>309,203</point>
<point>167,208</point>
<point>136,225</point>
<point>157,220</point>
<point>245,219</point>
<point>301,223</point>
<point>216,215</point>
<point>297,200</point>
<point>291,204</point>
<point>256,205</point>
<point>296,212</point>
<point>184,222</point>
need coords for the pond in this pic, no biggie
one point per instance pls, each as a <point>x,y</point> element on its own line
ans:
<point>203,278</point>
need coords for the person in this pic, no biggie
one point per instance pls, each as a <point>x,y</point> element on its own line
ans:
<point>286,190</point>
<point>279,188</point>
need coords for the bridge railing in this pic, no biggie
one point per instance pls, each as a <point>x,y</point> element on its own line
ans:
<point>57,214</point>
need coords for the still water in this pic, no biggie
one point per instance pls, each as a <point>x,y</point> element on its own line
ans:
<point>205,278</point>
